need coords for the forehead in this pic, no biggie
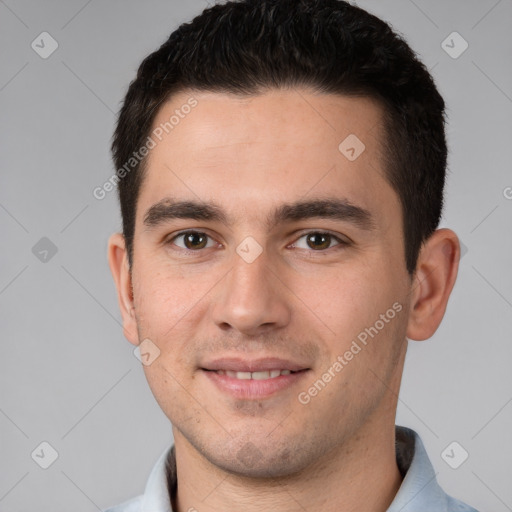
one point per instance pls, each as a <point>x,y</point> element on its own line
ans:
<point>250,152</point>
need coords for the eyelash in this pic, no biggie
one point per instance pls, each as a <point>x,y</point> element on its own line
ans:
<point>340,243</point>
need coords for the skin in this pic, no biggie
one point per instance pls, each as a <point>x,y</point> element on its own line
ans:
<point>250,155</point>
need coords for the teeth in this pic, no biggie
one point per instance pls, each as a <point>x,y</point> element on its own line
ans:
<point>271,374</point>
<point>260,375</point>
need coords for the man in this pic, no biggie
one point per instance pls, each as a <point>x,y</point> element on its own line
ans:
<point>281,166</point>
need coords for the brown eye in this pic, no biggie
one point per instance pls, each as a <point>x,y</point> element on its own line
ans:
<point>318,240</point>
<point>192,240</point>
<point>195,240</point>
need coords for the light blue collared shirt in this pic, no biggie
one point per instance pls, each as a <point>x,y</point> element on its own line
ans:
<point>419,491</point>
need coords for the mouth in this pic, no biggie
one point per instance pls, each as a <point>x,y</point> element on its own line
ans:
<point>256,379</point>
<point>261,375</point>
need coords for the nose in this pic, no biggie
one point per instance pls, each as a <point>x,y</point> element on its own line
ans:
<point>252,300</point>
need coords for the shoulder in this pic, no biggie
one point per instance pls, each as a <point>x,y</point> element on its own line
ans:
<point>132,505</point>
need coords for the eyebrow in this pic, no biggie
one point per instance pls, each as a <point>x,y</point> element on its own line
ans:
<point>331,208</point>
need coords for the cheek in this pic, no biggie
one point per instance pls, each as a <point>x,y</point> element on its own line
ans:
<point>164,383</point>
<point>341,298</point>
<point>169,309</point>
<point>348,304</point>
<point>166,301</point>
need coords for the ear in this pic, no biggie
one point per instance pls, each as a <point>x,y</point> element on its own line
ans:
<point>119,266</point>
<point>435,275</point>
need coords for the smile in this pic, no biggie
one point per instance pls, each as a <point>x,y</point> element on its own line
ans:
<point>254,385</point>
<point>262,375</point>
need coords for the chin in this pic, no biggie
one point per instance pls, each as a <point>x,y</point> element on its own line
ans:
<point>259,459</point>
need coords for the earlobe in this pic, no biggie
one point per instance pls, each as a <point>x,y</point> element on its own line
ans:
<point>119,266</point>
<point>435,276</point>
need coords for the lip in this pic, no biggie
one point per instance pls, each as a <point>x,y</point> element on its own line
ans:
<point>255,365</point>
<point>251,389</point>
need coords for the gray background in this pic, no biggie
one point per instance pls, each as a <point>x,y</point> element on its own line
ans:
<point>68,376</point>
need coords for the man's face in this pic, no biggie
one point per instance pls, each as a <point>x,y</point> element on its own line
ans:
<point>301,286</point>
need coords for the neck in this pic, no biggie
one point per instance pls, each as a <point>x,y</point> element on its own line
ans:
<point>361,474</point>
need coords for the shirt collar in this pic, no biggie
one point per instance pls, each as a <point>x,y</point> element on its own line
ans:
<point>419,490</point>
<point>161,483</point>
